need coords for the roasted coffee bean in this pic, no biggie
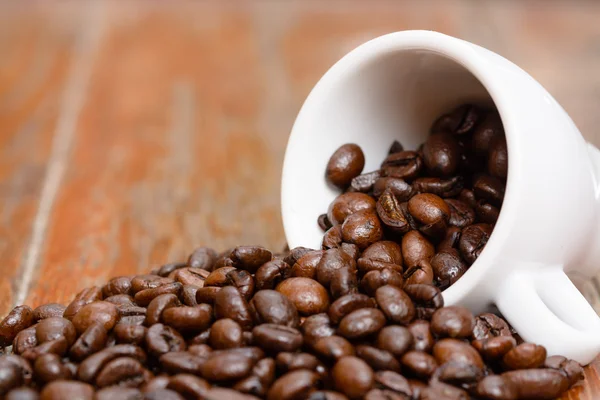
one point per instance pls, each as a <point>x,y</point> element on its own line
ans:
<point>168,269</point>
<point>386,251</point>
<point>121,300</point>
<point>10,376</point>
<point>203,258</point>
<point>333,347</point>
<point>58,346</point>
<point>382,394</point>
<point>308,296</point>
<point>352,376</point>
<point>315,327</point>
<point>486,213</point>
<point>364,183</point>
<point>188,320</point>
<point>415,248</point>
<point>224,261</point>
<point>24,367</point>
<point>276,338</point>
<point>571,368</point>
<point>421,273</point>
<point>227,366</point>
<point>537,383</point>
<point>378,359</point>
<point>294,385</point>
<point>243,281</point>
<point>391,214</point>
<point>441,154</point>
<point>343,282</point>
<point>201,350</point>
<point>306,266</point>
<point>331,261</point>
<point>89,368</point>
<point>201,338</point>
<point>55,328</point>
<point>347,204</point>
<point>122,371</point>
<point>460,121</point>
<point>426,298</point>
<point>19,318</point>
<point>438,186</point>
<point>452,321</point>
<point>363,228</point>
<point>332,238</point>
<point>449,243</point>
<point>489,188</point>
<point>225,334</point>
<point>82,298</point>
<point>447,350</point>
<point>65,389</point>
<point>468,197</point>
<point>487,130</point>
<point>250,258</point>
<point>395,304</point>
<point>326,395</point>
<point>148,281</point>
<point>418,364</point>
<point>207,295</point>
<point>48,310</point>
<point>498,158</point>
<point>92,340</point>
<point>181,362</point>
<point>461,214</point>
<point>421,334</point>
<point>271,274</point>
<point>132,315</point>
<point>101,312</point>
<point>375,279</point>
<point>270,306</point>
<point>191,276</point>
<point>252,352</point>
<point>524,356</point>
<point>346,163</point>
<point>395,339</point>
<point>291,361</point>
<point>495,387</point>
<point>161,339</point>
<point>403,164</point>
<point>393,381</point>
<point>490,325</point>
<point>163,394</point>
<point>447,267</point>
<point>346,304</point>
<point>158,305</point>
<point>130,334</point>
<point>473,240</point>
<point>118,393</point>
<point>458,374</point>
<point>495,347</point>
<point>441,391</point>
<point>118,285</point>
<point>362,323</point>
<point>229,303</point>
<point>324,222</point>
<point>48,367</point>
<point>144,297</point>
<point>401,190</point>
<point>156,383</point>
<point>218,277</point>
<point>429,209</point>
<point>23,393</point>
<point>295,254</point>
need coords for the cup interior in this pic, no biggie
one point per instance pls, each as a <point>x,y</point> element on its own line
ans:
<point>370,100</point>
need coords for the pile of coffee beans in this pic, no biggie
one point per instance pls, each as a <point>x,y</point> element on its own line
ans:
<point>358,319</point>
<point>439,202</point>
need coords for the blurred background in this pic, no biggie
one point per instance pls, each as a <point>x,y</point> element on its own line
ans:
<point>132,132</point>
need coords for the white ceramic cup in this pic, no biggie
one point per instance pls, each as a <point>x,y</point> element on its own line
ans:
<point>393,87</point>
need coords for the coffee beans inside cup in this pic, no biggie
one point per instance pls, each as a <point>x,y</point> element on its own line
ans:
<point>439,202</point>
<point>357,319</point>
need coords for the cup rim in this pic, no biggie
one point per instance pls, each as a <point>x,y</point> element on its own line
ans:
<point>464,54</point>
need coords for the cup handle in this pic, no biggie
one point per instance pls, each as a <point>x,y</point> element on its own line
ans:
<point>546,308</point>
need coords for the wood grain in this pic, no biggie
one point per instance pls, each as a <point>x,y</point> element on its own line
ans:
<point>132,132</point>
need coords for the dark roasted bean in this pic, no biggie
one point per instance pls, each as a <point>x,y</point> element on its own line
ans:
<point>118,285</point>
<point>415,248</point>
<point>206,295</point>
<point>181,362</point>
<point>421,273</point>
<point>295,384</point>
<point>163,394</point>
<point>250,258</point>
<point>19,318</point>
<point>90,367</point>
<point>144,297</point>
<point>118,393</point>
<point>352,376</point>
<point>48,367</point>
<point>495,387</point>
<point>537,383</point>
<point>61,389</point>
<point>189,386</point>
<point>362,228</point>
<point>84,297</point>
<point>48,310</point>
<point>473,240</point>
<point>490,325</point>
<point>333,347</point>
<point>167,269</point>
<point>524,356</point>
<point>391,213</point>
<point>441,154</point>
<point>460,121</point>
<point>92,340</point>
<point>225,334</point>
<point>55,328</point>
<point>419,364</point>
<point>447,267</point>
<point>203,258</point>
<point>344,281</point>
<point>452,321</point>
<point>315,327</point>
<point>270,306</point>
<point>348,303</point>
<point>362,323</point>
<point>364,183</point>
<point>498,158</point>
<point>347,204</point>
<point>421,334</point>
<point>426,298</point>
<point>101,312</point>
<point>441,187</point>
<point>122,371</point>
<point>10,376</point>
<point>346,163</point>
<point>290,361</point>
<point>130,334</point>
<point>377,359</point>
<point>332,238</point>
<point>375,279</point>
<point>23,393</point>
<point>276,338</point>
<point>161,339</point>
<point>395,304</point>
<point>308,296</point>
<point>270,274</point>
<point>229,303</point>
<point>403,164</point>
<point>494,347</point>
<point>227,366</point>
<point>191,276</point>
<point>395,339</point>
<point>447,350</point>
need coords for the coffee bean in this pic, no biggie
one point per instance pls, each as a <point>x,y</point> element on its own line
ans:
<point>429,209</point>
<point>131,334</point>
<point>308,296</point>
<point>326,395</point>
<point>395,304</point>
<point>101,312</point>
<point>189,386</point>
<point>375,279</point>
<point>203,258</point>
<point>418,364</point>
<point>122,371</point>
<point>65,389</point>
<point>415,248</point>
<point>489,188</point>
<point>364,183</point>
<point>331,261</point>
<point>449,187</point>
<point>473,240</point>
<point>48,310</point>
<point>401,190</point>
<point>207,295</point>
<point>58,346</point>
<point>537,383</point>
<point>163,394</point>
<point>92,340</point>
<point>118,393</point>
<point>495,347</point>
<point>227,366</point>
<point>395,339</point>
<point>181,362</point>
<point>438,390</point>
<point>188,319</point>
<point>121,300</point>
<point>315,327</point>
<point>55,328</point>
<point>48,367</point>
<point>89,368</point>
<point>447,350</point>
<point>271,273</point>
<point>524,356</point>
<point>225,334</point>
<point>276,338</point>
<point>306,266</point>
<point>391,214</point>
<point>452,321</point>
<point>132,315</point>
<point>486,212</point>
<point>347,204</point>
<point>344,281</point>
<point>441,154</point>
<point>362,228</point>
<point>270,306</point>
<point>158,305</point>
<point>461,214</point>
<point>490,325</point>
<point>362,323</point>
<point>218,277</point>
<point>333,347</point>
<point>10,376</point>
<point>86,296</point>
<point>488,129</point>
<point>421,334</point>
<point>460,121</point>
<point>346,304</point>
<point>229,303</point>
<point>22,393</point>
<point>19,318</point>
<point>498,158</point>
<point>332,238</point>
<point>250,258</point>
<point>495,387</point>
<point>468,197</point>
<point>294,385</point>
<point>447,267</point>
<point>144,297</point>
<point>345,164</point>
<point>118,285</point>
<point>377,359</point>
<point>352,376</point>
<point>403,165</point>
<point>191,276</point>
<point>167,270</point>
<point>292,361</point>
<point>161,339</point>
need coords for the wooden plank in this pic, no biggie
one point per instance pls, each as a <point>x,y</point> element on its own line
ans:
<point>35,53</point>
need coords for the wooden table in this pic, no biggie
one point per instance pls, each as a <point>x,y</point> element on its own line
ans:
<point>132,132</point>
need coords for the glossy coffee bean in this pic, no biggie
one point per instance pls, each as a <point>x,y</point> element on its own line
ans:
<point>91,366</point>
<point>122,371</point>
<point>441,154</point>
<point>447,350</point>
<point>375,279</point>
<point>489,325</point>
<point>498,158</point>
<point>225,334</point>
<point>229,303</point>
<point>495,387</point>
<point>326,395</point>
<point>203,258</point>
<point>270,274</point>
<point>118,285</point>
<point>191,276</point>
<point>308,296</point>
<point>227,366</point>
<point>22,393</point>
<point>421,334</point>
<point>352,376</point>
<point>19,318</point>
<point>218,277</point>
<point>189,386</point>
<point>459,121</point>
<point>473,240</point>
<point>118,393</point>
<point>82,298</point>
<point>346,304</point>
<point>487,130</point>
<point>130,334</point>
<point>182,362</point>
<point>92,340</point>
<point>294,385</point>
<point>364,183</point>
<point>403,164</point>
<point>445,188</point>
<point>158,305</point>
<point>315,327</point>
<point>161,339</point>
<point>144,297</point>
<point>401,190</point>
<point>101,312</point>
<point>461,214</point>
<point>250,258</point>
<point>494,348</point>
<point>421,273</point>
<point>168,269</point>
<point>163,394</point>
<point>525,355</point>
<point>415,248</point>
<point>188,319</point>
<point>395,339</point>
<point>331,261</point>
<point>276,338</point>
<point>391,213</point>
<point>343,281</point>
<point>447,267</point>
<point>394,382</point>
<point>66,389</point>
<point>10,376</point>
<point>537,383</point>
<point>418,364</point>
<point>270,306</point>
<point>571,368</point>
<point>361,323</point>
<point>48,367</point>
<point>452,321</point>
<point>48,310</point>
<point>332,238</point>
<point>148,281</point>
<point>346,163</point>
<point>333,347</point>
<point>395,304</point>
<point>306,266</point>
<point>362,228</point>
<point>55,328</point>
<point>347,204</point>
<point>207,295</point>
<point>486,213</point>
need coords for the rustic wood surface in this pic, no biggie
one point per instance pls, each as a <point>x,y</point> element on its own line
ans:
<point>131,132</point>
